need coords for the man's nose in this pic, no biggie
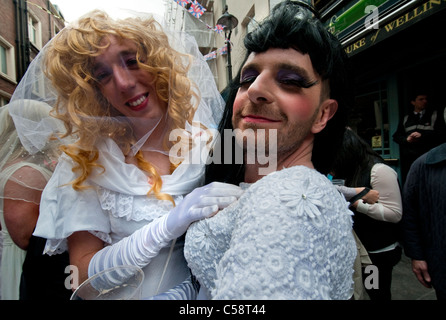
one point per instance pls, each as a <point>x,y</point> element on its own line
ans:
<point>261,89</point>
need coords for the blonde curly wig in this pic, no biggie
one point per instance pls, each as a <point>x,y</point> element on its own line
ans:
<point>86,112</point>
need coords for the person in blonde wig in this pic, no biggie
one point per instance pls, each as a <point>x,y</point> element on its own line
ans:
<point>118,196</point>
<point>75,80</point>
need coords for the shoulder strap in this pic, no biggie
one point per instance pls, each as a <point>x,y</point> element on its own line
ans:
<point>359,195</point>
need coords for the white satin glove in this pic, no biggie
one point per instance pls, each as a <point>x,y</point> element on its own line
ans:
<point>201,203</point>
<point>144,244</point>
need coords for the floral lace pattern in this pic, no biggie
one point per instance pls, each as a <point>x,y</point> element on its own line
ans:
<point>135,208</point>
<point>288,237</point>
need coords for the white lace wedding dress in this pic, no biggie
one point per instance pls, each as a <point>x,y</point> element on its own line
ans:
<point>288,237</point>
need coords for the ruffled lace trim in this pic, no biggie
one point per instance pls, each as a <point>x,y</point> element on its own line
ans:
<point>134,208</point>
<point>58,246</point>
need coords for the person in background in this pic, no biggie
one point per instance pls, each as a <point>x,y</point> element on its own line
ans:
<point>118,195</point>
<point>376,225</point>
<point>353,195</point>
<point>424,219</point>
<point>417,132</point>
<point>22,179</point>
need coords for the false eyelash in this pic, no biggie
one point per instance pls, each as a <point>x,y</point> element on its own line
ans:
<point>246,81</point>
<point>305,84</point>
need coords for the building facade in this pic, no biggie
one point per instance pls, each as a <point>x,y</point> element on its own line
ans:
<point>395,47</point>
<point>25,27</point>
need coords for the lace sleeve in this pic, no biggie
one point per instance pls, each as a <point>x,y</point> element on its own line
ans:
<point>206,242</point>
<point>293,241</point>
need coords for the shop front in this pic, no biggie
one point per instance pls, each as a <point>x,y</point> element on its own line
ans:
<point>396,48</point>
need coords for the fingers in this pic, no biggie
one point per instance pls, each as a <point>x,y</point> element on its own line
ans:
<point>419,268</point>
<point>206,201</point>
<point>203,212</point>
<point>423,280</point>
<point>221,189</point>
<point>220,202</point>
<point>220,194</point>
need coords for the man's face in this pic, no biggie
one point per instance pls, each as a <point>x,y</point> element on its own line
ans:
<point>420,103</point>
<point>280,91</point>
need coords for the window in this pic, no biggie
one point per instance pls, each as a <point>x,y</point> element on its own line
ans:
<point>370,118</point>
<point>7,63</point>
<point>250,23</point>
<point>34,31</point>
<point>4,65</point>
<point>3,101</point>
<point>56,29</point>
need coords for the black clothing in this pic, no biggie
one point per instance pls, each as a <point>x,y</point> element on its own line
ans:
<point>374,235</point>
<point>425,125</point>
<point>424,217</point>
<point>384,261</point>
<point>43,276</point>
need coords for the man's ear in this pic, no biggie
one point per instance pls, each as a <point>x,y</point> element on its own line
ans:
<point>326,111</point>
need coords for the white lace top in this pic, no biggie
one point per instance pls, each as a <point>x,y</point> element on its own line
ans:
<point>288,237</point>
<point>114,208</point>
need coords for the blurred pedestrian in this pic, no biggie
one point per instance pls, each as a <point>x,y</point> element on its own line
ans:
<point>424,219</point>
<point>375,224</point>
<point>416,132</point>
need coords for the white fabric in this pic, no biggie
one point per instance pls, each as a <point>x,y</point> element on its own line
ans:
<point>288,237</point>
<point>389,207</point>
<point>115,208</point>
<point>199,204</point>
<point>347,191</point>
<point>142,246</point>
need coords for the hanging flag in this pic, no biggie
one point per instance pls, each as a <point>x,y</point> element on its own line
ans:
<point>196,9</point>
<point>182,3</point>
<point>47,11</point>
<point>211,55</point>
<point>223,50</point>
<point>218,28</point>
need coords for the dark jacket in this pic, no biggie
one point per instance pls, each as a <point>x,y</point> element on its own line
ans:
<point>424,212</point>
<point>424,125</point>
